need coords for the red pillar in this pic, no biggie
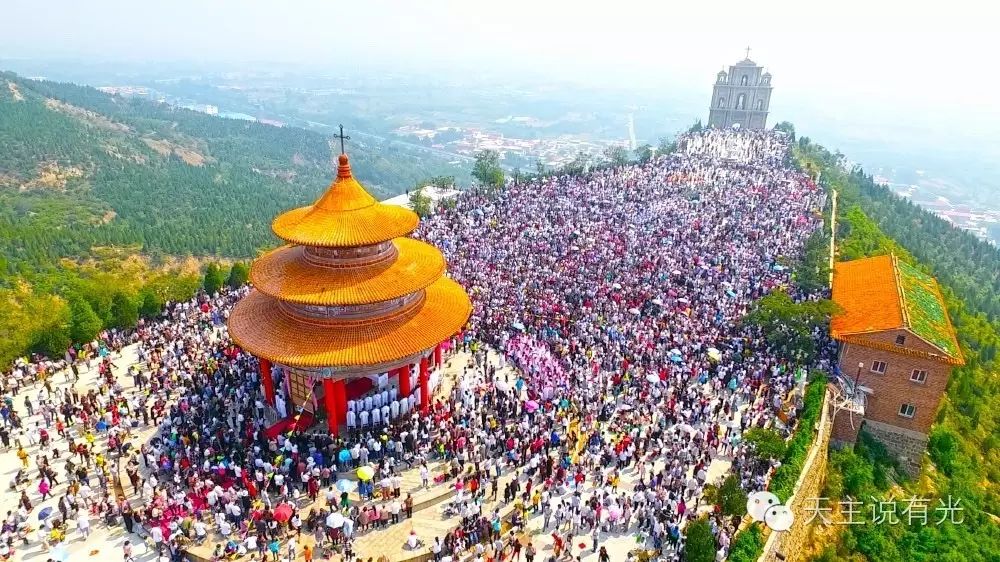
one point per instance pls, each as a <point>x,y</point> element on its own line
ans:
<point>437,355</point>
<point>340,393</point>
<point>403,373</point>
<point>425,394</point>
<point>329,397</point>
<point>267,380</point>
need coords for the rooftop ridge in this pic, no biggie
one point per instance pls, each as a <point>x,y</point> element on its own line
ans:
<point>900,294</point>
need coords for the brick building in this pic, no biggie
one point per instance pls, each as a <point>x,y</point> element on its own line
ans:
<point>898,345</point>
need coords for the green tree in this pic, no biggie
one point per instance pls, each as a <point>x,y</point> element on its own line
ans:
<point>539,167</point>
<point>643,153</point>
<point>487,168</point>
<point>812,273</point>
<point>239,275</point>
<point>767,443</point>
<point>731,497</point>
<point>150,304</point>
<point>616,154</point>
<point>943,448</point>
<point>422,204</point>
<point>696,127</point>
<point>579,164</point>
<point>787,128</point>
<point>214,278</point>
<point>789,325</point>
<point>124,310</point>
<point>667,146</point>
<point>84,322</point>
<point>700,543</point>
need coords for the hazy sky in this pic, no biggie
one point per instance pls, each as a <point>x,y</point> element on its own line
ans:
<point>844,56</point>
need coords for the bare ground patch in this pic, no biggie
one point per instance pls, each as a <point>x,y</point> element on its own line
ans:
<point>85,115</point>
<point>14,91</point>
<point>51,175</point>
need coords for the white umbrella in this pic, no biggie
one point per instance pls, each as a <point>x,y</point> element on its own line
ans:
<point>335,520</point>
<point>502,386</point>
<point>652,378</point>
<point>687,428</point>
<point>634,311</point>
<point>616,286</point>
<point>658,301</point>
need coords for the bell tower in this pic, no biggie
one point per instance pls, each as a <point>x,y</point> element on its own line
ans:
<point>741,97</point>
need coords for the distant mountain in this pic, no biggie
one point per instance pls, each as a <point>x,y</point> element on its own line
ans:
<point>81,169</point>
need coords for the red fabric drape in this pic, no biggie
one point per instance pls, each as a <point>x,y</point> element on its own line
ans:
<point>329,397</point>
<point>425,394</point>
<point>267,380</point>
<point>340,394</point>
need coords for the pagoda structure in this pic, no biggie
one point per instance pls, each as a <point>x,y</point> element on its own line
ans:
<point>350,297</point>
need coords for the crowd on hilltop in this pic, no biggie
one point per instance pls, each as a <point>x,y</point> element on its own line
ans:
<point>616,296</point>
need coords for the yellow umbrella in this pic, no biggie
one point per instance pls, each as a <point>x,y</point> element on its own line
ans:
<point>366,472</point>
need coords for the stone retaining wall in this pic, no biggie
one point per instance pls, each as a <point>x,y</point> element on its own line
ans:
<point>790,545</point>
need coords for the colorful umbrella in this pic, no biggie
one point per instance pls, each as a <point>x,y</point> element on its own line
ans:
<point>344,455</point>
<point>345,485</point>
<point>366,472</point>
<point>283,513</point>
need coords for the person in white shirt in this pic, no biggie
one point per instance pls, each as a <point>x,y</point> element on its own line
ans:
<point>363,418</point>
<point>376,417</point>
<point>352,420</point>
<point>394,409</point>
<point>385,414</point>
<point>412,541</point>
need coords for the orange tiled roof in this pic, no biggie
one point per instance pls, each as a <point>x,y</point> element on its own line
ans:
<point>868,296</point>
<point>879,293</point>
<point>285,274</point>
<point>259,325</point>
<point>346,215</point>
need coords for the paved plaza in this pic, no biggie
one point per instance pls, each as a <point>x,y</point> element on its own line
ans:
<point>428,522</point>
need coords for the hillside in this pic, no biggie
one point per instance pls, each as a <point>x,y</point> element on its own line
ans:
<point>81,169</point>
<point>964,447</point>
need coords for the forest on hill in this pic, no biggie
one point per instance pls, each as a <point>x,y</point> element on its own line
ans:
<point>94,185</point>
<point>964,448</point>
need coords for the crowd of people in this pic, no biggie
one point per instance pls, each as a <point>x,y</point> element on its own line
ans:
<point>620,376</point>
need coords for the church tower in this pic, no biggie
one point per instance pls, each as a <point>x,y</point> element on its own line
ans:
<point>741,96</point>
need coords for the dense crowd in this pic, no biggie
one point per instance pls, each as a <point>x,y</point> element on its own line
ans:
<point>615,295</point>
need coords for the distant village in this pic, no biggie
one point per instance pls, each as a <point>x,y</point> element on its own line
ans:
<point>978,221</point>
<point>553,152</point>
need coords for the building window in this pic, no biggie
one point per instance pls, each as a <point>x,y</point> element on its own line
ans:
<point>900,339</point>
<point>918,375</point>
<point>722,102</point>
<point>878,367</point>
<point>743,80</point>
<point>760,105</point>
<point>741,101</point>
<point>907,410</point>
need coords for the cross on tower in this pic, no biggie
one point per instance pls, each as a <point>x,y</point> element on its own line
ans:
<point>748,53</point>
<point>342,138</point>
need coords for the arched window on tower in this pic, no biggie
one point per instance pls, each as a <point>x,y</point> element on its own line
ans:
<point>743,80</point>
<point>741,101</point>
<point>722,102</point>
<point>760,105</point>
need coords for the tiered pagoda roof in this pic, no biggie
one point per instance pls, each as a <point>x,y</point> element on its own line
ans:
<point>349,292</point>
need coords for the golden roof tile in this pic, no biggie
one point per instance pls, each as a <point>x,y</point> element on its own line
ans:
<point>262,327</point>
<point>346,215</point>
<point>287,275</point>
